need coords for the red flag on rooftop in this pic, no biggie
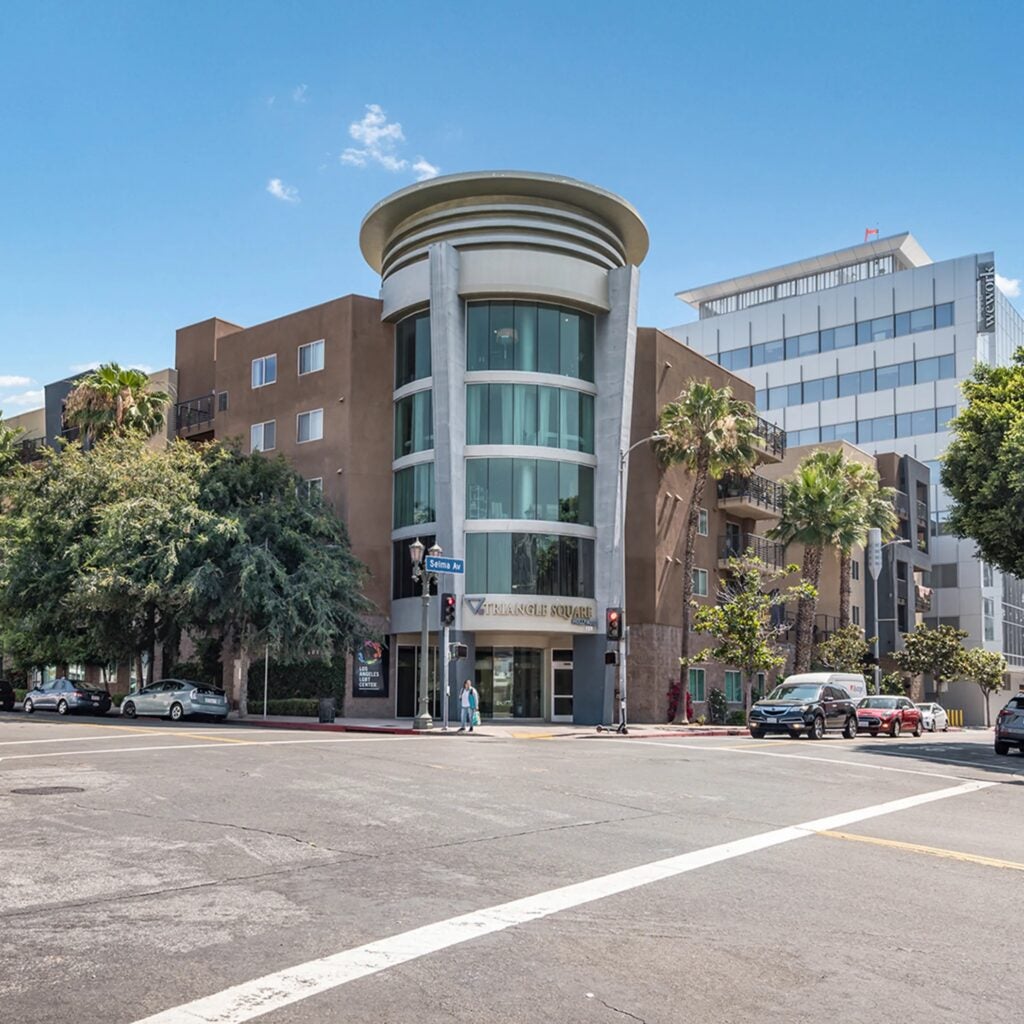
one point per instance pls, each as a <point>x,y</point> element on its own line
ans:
<point>868,232</point>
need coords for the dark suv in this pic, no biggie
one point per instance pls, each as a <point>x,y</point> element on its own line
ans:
<point>1010,726</point>
<point>810,709</point>
<point>6,696</point>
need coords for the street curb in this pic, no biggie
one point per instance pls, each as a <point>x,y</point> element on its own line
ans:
<point>270,723</point>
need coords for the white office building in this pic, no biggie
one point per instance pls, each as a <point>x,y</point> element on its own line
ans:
<point>869,344</point>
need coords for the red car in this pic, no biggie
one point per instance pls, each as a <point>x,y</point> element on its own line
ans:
<point>889,715</point>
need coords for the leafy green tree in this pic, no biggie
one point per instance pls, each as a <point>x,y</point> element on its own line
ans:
<point>130,578</point>
<point>937,652</point>
<point>986,669</point>
<point>711,434</point>
<point>9,448</point>
<point>895,684</point>
<point>869,505</point>
<point>112,399</point>
<point>746,633</point>
<point>90,547</point>
<point>983,467</point>
<point>279,570</point>
<point>815,513</point>
<point>845,650</point>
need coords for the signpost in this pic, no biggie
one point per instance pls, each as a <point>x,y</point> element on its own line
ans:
<point>452,567</point>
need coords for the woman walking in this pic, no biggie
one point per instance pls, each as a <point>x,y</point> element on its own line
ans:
<point>469,701</point>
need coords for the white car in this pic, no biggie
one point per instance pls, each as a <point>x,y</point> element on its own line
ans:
<point>933,717</point>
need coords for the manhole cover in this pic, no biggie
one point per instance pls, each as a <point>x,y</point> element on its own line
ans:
<point>47,790</point>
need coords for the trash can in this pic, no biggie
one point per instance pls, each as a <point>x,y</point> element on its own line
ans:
<point>326,709</point>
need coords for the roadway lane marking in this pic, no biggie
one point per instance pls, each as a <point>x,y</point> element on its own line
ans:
<point>273,991</point>
<point>931,851</point>
<point>668,745</point>
<point>198,746</point>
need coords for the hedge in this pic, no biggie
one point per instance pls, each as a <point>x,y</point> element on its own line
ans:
<point>310,679</point>
<point>301,706</point>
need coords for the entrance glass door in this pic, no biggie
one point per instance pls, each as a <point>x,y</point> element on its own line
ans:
<point>561,686</point>
<point>406,704</point>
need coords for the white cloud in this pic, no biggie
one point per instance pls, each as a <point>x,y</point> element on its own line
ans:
<point>1009,286</point>
<point>379,140</point>
<point>425,170</point>
<point>279,190</point>
<point>299,93</point>
<point>12,381</point>
<point>84,367</point>
<point>23,400</point>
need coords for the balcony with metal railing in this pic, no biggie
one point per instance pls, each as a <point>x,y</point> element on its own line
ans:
<point>750,497</point>
<point>736,545</point>
<point>901,502</point>
<point>922,512</point>
<point>194,416</point>
<point>922,598</point>
<point>29,449</point>
<point>770,440</point>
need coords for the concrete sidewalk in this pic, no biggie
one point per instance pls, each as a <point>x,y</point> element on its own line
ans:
<point>507,730</point>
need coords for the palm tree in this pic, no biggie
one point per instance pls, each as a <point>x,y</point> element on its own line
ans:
<point>873,507</point>
<point>112,399</point>
<point>815,513</point>
<point>710,434</point>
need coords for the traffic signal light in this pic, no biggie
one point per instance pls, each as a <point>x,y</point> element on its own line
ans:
<point>447,609</point>
<point>613,623</point>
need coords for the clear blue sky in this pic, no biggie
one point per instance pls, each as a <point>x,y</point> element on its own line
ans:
<point>139,141</point>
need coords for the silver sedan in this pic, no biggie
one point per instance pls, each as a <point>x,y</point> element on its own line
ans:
<point>933,717</point>
<point>175,699</point>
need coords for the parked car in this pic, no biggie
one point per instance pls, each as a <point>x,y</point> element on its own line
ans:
<point>6,696</point>
<point>175,699</point>
<point>933,717</point>
<point>64,697</point>
<point>1010,726</point>
<point>809,709</point>
<point>889,715</point>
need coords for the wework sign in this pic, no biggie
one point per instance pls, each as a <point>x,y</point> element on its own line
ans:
<point>986,297</point>
<point>370,678</point>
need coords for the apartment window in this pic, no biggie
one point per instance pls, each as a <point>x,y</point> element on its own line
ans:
<point>855,569</point>
<point>988,607</point>
<point>945,575</point>
<point>529,563</point>
<point>530,414</point>
<point>313,488</point>
<point>529,489</point>
<point>263,436</point>
<point>734,687</point>
<point>414,495</point>
<point>310,426</point>
<point>412,349</point>
<point>987,578</point>
<point>311,357</point>
<point>855,615</point>
<point>414,423</point>
<point>222,402</point>
<point>702,522</point>
<point>700,582</point>
<point>696,681</point>
<point>264,371</point>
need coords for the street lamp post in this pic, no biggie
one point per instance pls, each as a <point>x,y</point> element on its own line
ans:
<point>624,639</point>
<point>875,549</point>
<point>423,719</point>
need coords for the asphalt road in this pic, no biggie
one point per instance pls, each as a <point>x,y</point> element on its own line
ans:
<point>422,879</point>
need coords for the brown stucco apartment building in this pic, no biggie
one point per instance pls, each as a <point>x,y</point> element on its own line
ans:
<point>482,403</point>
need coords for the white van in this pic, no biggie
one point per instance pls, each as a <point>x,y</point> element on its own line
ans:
<point>854,685</point>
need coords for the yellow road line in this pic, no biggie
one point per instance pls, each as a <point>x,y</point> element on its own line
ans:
<point>930,851</point>
<point>209,736</point>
